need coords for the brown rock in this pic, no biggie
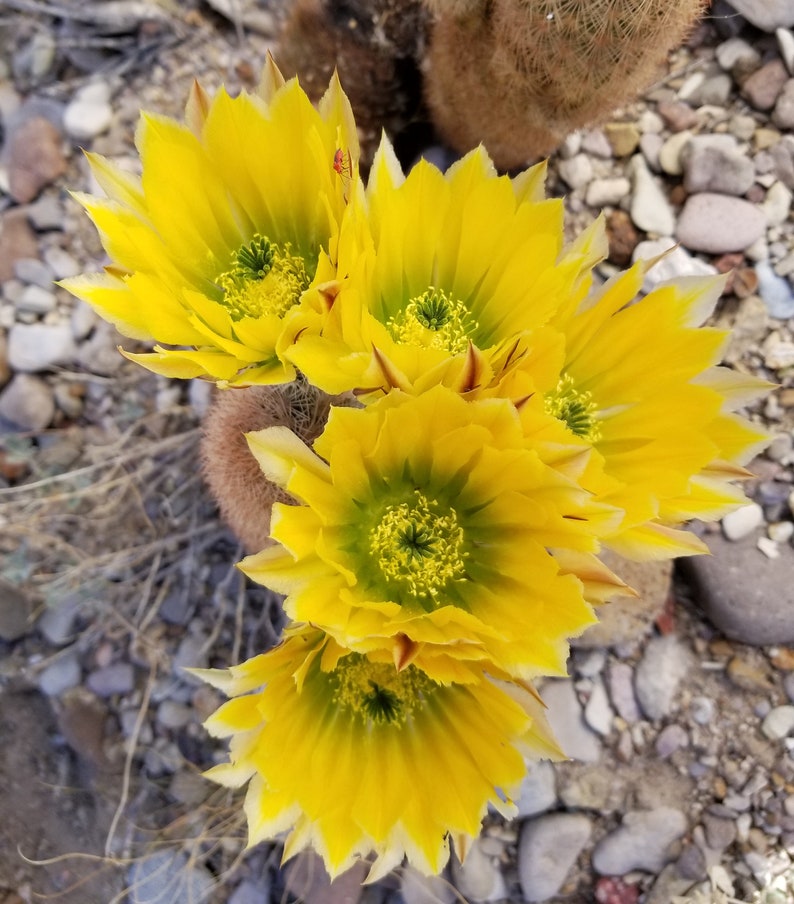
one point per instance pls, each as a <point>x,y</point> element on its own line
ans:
<point>677,115</point>
<point>17,240</point>
<point>623,237</point>
<point>763,87</point>
<point>35,158</point>
<point>783,659</point>
<point>623,137</point>
<point>625,619</point>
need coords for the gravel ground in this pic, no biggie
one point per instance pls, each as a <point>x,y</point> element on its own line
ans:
<point>115,571</point>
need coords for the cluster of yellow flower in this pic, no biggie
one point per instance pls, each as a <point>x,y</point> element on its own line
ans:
<point>443,542</point>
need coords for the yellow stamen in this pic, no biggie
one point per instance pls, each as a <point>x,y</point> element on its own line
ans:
<point>419,546</point>
<point>376,692</point>
<point>434,320</point>
<point>575,409</point>
<point>264,278</point>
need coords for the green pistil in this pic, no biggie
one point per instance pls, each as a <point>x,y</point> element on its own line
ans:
<point>575,409</point>
<point>375,692</point>
<point>264,278</point>
<point>434,320</point>
<point>419,546</point>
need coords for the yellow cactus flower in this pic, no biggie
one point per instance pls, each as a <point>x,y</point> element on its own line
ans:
<point>424,526</point>
<point>439,273</point>
<point>228,232</point>
<point>344,752</point>
<point>640,382</point>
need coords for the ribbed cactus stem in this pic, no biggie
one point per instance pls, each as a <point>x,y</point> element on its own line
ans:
<point>519,75</point>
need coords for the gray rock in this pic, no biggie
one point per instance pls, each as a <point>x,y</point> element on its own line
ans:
<point>567,724</point>
<point>778,723</point>
<point>57,623</point>
<point>671,738</point>
<point>621,691</point>
<point>36,300</point>
<point>479,878</point>
<point>84,319</point>
<point>718,224</point>
<point>642,842</point>
<point>168,877</point>
<point>720,831</point>
<point>788,686</point>
<point>27,402</point>
<point>38,346</point>
<point>650,210</point>
<point>703,710</point>
<point>33,272</point>
<point>766,14</point>
<point>737,52</point>
<point>775,291</point>
<point>171,714</point>
<point>747,596</point>
<point>651,145</point>
<point>60,675</point>
<point>16,610</point>
<point>117,678</point>
<point>47,213</point>
<point>248,892</point>
<point>61,262</point>
<point>711,167</point>
<point>547,850</point>
<point>596,143</point>
<point>538,790</point>
<point>418,889</point>
<point>663,665</point>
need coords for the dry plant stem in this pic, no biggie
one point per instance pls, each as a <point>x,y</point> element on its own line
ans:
<point>520,75</point>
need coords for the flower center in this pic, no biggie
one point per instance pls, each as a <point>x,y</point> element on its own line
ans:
<point>264,279</point>
<point>434,320</point>
<point>575,409</point>
<point>376,692</point>
<point>419,546</point>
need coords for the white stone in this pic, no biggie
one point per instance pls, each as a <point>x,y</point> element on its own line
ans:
<point>577,171</point>
<point>650,210</point>
<point>27,402</point>
<point>595,142</point>
<point>677,262</point>
<point>607,192</point>
<point>743,521</point>
<point>538,789</point>
<point>768,547</point>
<point>37,346</point>
<point>597,712</point>
<point>737,51</point>
<point>778,723</point>
<point>777,204</point>
<point>36,300</point>
<point>766,14</point>
<point>670,152</point>
<point>780,531</point>
<point>718,224</point>
<point>61,263</point>
<point>567,723</point>
<point>89,113</point>
<point>659,673</point>
<point>650,122</point>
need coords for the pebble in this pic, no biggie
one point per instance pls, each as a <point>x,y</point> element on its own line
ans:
<point>46,213</point>
<point>671,738</point>
<point>577,171</point>
<point>775,291</point>
<point>781,531</point>
<point>778,723</point>
<point>777,204</point>
<point>479,877</point>
<point>620,678</point>
<point>36,300</point>
<point>34,347</point>
<point>34,157</point>
<point>61,263</point>
<point>663,665</point>
<point>117,678</point>
<point>783,114</point>
<point>778,355</point>
<point>16,610</point>
<point>702,709</point>
<point>168,877</point>
<point>27,403</point>
<point>742,521</point>
<point>717,223</point>
<point>785,43</point>
<point>650,208</point>
<point>548,848</point>
<point>58,622</point>
<point>622,236</point>
<point>720,832</point>
<point>671,151</point>
<point>746,596</point>
<point>676,262</point>
<point>651,145</point>
<point>418,889</point>
<point>171,714</point>
<point>61,674</point>
<point>248,892</point>
<point>89,113</point>
<point>607,192</point>
<point>538,789</point>
<point>768,15</point>
<point>623,137</point>
<point>737,53</point>
<point>715,91</point>
<point>33,271</point>
<point>564,713</point>
<point>763,87</point>
<point>597,712</point>
<point>596,143</point>
<point>17,241</point>
<point>678,116</point>
<point>714,163</point>
<point>642,842</point>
